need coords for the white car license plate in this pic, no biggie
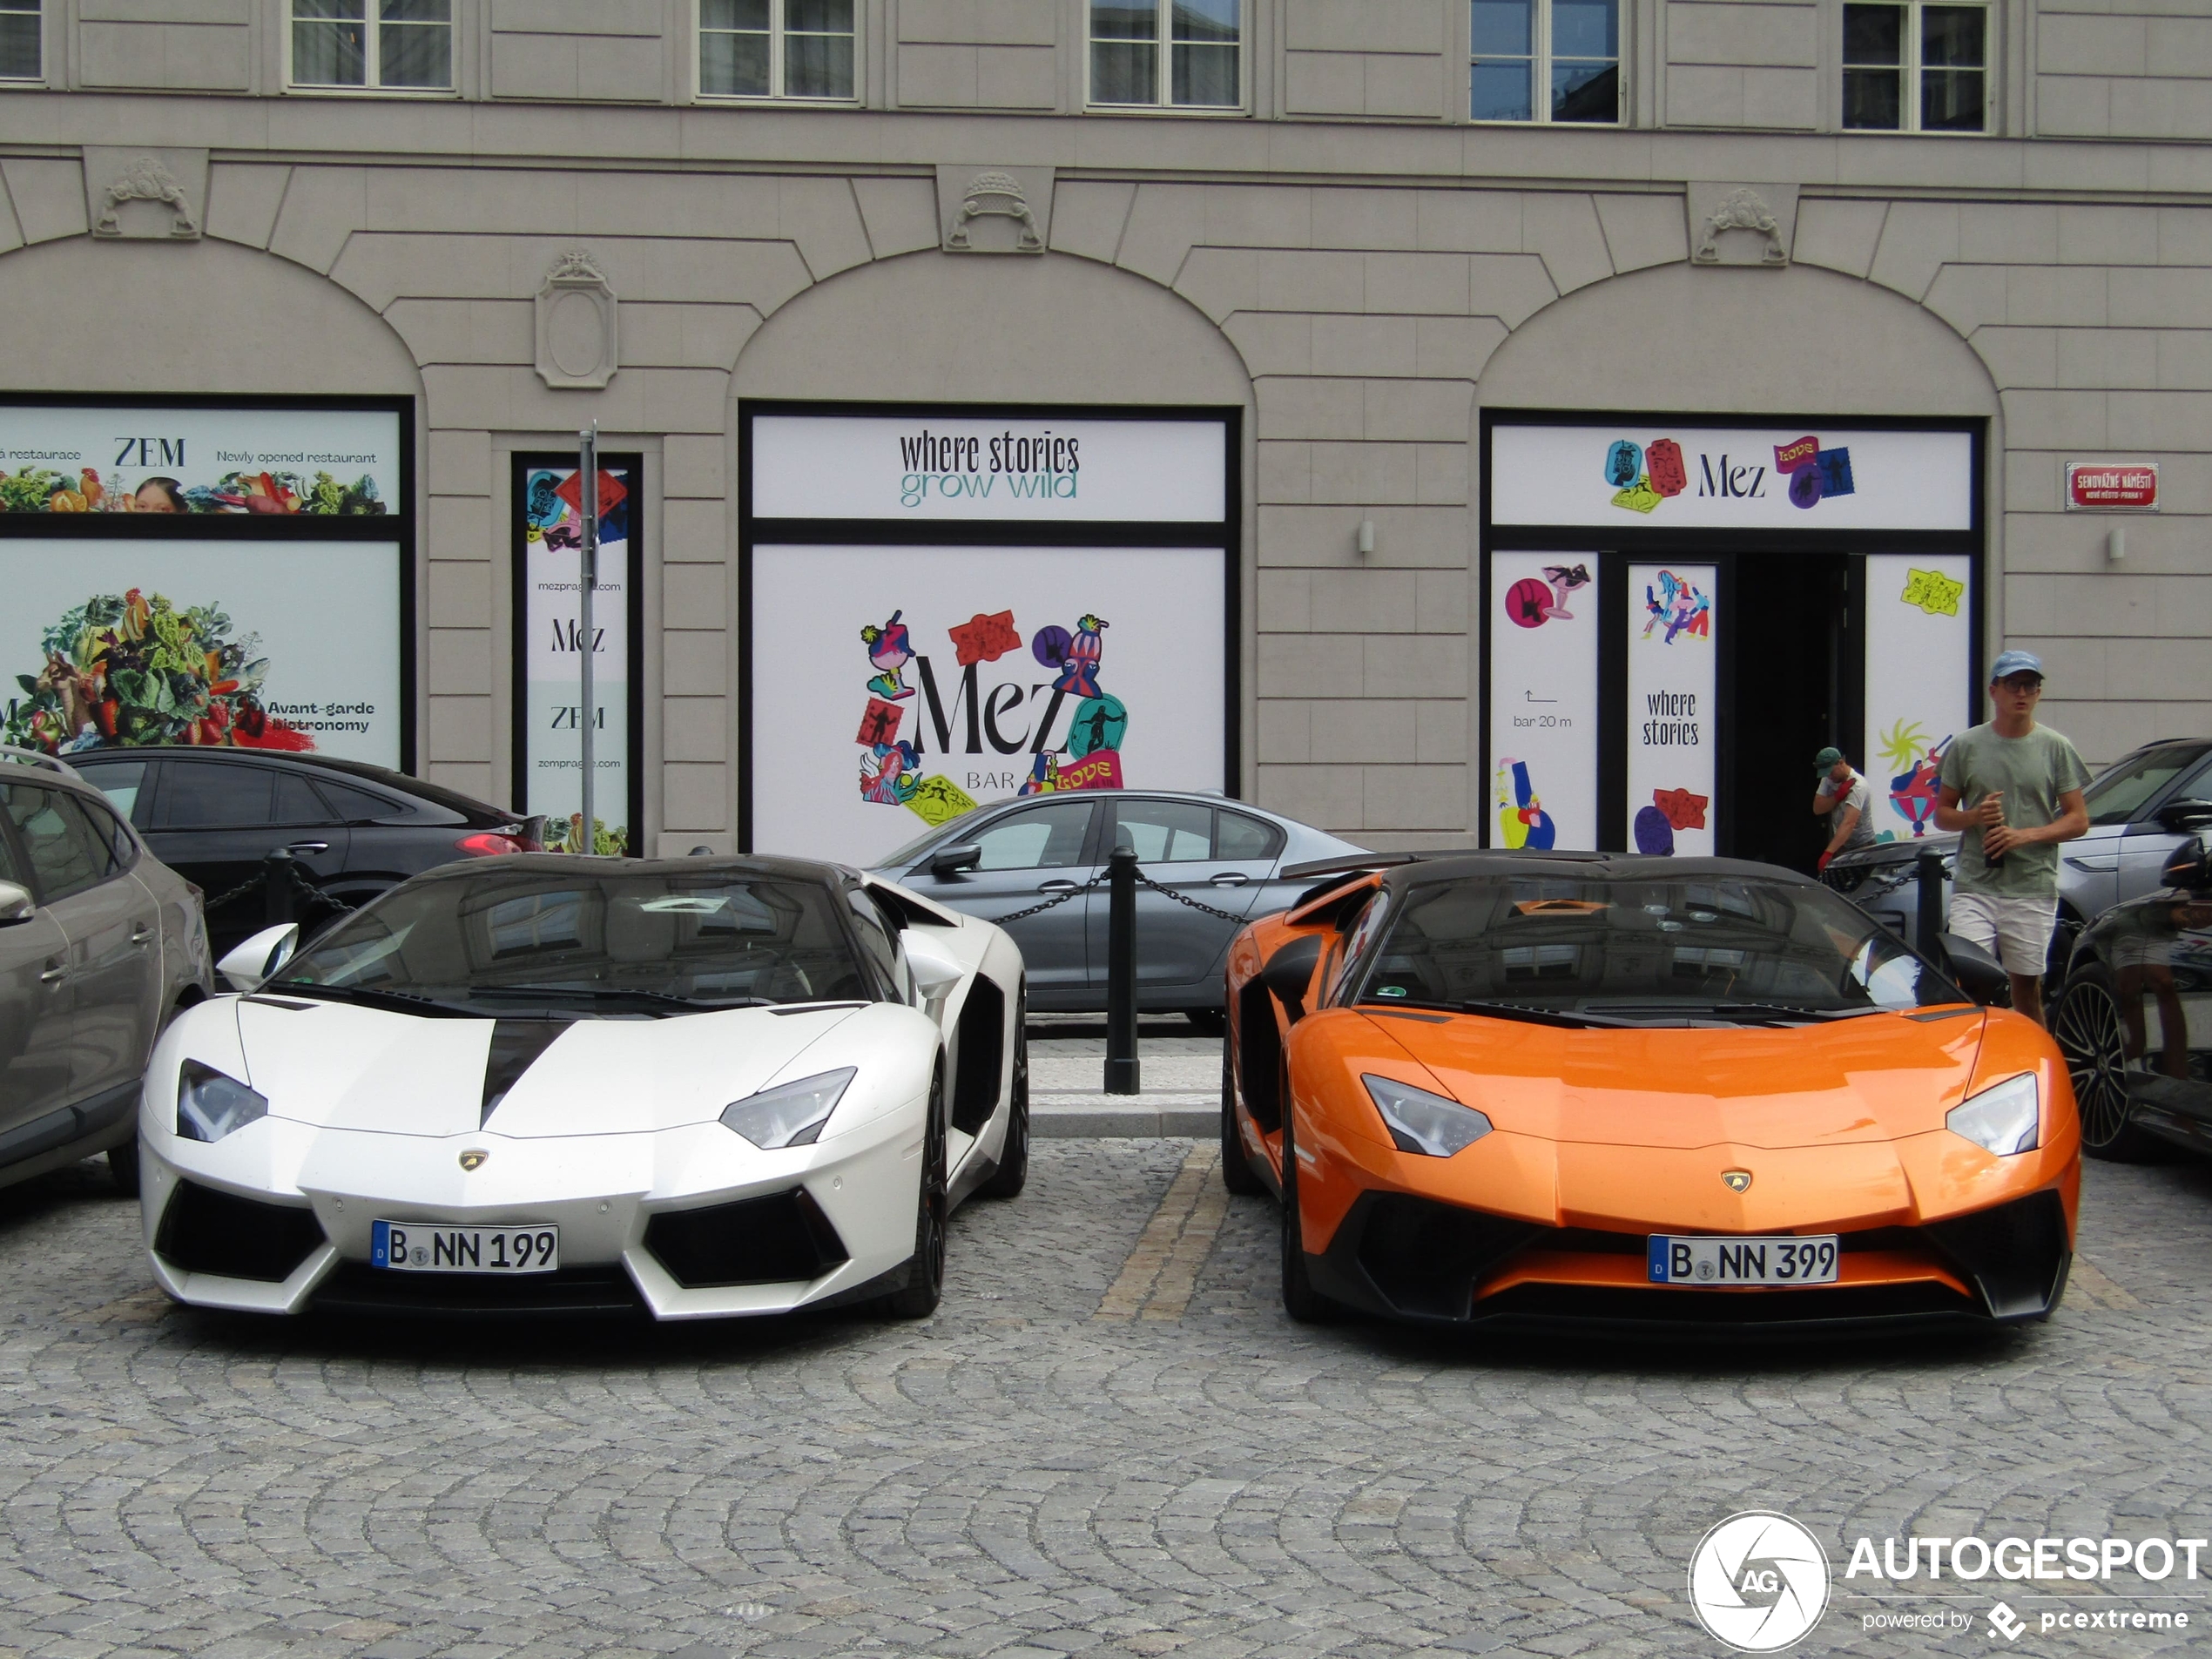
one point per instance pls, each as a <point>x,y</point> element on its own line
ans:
<point>1705,1262</point>
<point>433,1247</point>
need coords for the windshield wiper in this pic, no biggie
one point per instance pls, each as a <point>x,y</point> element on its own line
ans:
<point>370,997</point>
<point>1798,1011</point>
<point>1569,1019</point>
<point>618,993</point>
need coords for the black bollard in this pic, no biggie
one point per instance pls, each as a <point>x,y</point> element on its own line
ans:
<point>1121,973</point>
<point>1929,868</point>
<point>279,873</point>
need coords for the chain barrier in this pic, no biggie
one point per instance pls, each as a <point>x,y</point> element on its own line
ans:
<point>301,886</point>
<point>1100,880</point>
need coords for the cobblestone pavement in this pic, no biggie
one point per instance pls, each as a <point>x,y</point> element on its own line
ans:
<point>1110,1441</point>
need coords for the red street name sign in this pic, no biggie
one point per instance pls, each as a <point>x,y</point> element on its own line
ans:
<point>2112,485</point>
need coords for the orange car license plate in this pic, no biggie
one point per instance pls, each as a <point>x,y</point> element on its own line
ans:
<point>1705,1262</point>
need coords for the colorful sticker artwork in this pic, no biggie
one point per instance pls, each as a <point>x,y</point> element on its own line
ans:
<point>938,800</point>
<point>1914,767</point>
<point>1665,471</point>
<point>1098,725</point>
<point>1933,592</point>
<point>1654,835</point>
<point>880,723</point>
<point>985,639</point>
<point>1530,604</point>
<point>1684,811</point>
<point>1812,474</point>
<point>1680,606</point>
<point>1792,457</point>
<point>1522,821</point>
<point>890,649</point>
<point>1623,464</point>
<point>1639,498</point>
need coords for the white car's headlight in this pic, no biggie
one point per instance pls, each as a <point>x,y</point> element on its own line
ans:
<point>2004,1119</point>
<point>790,1114</point>
<point>1421,1121</point>
<point>211,1105</point>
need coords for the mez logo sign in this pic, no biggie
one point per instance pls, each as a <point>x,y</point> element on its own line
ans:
<point>1644,475</point>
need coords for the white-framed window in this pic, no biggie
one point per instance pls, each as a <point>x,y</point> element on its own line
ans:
<point>1167,54</point>
<point>23,46</point>
<point>372,45</point>
<point>1916,66</point>
<point>1544,60</point>
<point>795,49</point>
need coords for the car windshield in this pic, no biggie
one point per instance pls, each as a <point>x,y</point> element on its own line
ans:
<point>630,942</point>
<point>1594,949</point>
<point>2121,793</point>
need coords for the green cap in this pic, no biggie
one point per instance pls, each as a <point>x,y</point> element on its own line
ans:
<point>1826,758</point>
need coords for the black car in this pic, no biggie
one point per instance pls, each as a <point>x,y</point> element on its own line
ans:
<point>212,815</point>
<point>2135,1022</point>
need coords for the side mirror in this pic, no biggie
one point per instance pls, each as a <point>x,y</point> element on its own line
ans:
<point>936,970</point>
<point>1974,970</point>
<point>2185,817</point>
<point>1288,973</point>
<point>249,964</point>
<point>2189,868</point>
<point>15,904</point>
<point>950,861</point>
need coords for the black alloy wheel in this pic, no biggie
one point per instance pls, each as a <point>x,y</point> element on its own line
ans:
<point>1237,1172</point>
<point>1012,1172</point>
<point>2090,1036</point>
<point>925,1285</point>
<point>1300,1300</point>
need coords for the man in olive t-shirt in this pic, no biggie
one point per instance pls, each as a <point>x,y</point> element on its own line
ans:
<point>2013,789</point>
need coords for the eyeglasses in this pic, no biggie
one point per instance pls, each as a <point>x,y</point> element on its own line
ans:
<point>2021,683</point>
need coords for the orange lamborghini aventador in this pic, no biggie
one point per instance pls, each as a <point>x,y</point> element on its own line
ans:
<point>1642,1093</point>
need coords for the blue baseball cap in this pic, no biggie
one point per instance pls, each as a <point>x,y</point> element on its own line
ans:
<point>2010,663</point>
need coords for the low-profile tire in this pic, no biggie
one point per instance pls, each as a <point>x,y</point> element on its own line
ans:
<point>925,1287</point>
<point>1207,1022</point>
<point>1300,1300</point>
<point>1012,1172</point>
<point>123,1167</point>
<point>1237,1172</point>
<point>2090,1036</point>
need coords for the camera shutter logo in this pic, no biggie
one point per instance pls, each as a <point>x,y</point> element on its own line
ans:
<point>1758,1581</point>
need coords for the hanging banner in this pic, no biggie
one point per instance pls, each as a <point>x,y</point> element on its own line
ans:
<point>548,537</point>
<point>1670,476</point>
<point>1673,647</point>
<point>1543,700</point>
<point>1920,691</point>
<point>316,463</point>
<point>896,687</point>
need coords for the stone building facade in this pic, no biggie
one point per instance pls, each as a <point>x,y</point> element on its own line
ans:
<point>1370,280</point>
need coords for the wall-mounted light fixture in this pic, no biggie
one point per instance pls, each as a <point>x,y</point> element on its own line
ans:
<point>1366,535</point>
<point>2116,543</point>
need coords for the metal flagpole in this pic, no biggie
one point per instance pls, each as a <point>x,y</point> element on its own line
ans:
<point>587,715</point>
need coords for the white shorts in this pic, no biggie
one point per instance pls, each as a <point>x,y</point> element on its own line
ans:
<point>2017,931</point>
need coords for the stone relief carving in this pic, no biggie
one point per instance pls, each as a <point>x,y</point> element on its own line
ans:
<point>1741,224</point>
<point>172,185</point>
<point>994,210</point>
<point>578,345</point>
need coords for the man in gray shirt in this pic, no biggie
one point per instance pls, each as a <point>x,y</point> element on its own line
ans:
<point>2013,789</point>
<point>1845,801</point>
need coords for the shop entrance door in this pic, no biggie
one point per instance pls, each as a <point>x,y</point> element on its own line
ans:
<point>1791,680</point>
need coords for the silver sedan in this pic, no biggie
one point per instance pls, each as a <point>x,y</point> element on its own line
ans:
<point>1212,864</point>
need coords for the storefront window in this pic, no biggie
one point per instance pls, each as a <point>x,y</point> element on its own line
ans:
<point>1915,68</point>
<point>392,45</point>
<point>1201,69</point>
<point>1544,60</point>
<point>22,55</point>
<point>797,49</point>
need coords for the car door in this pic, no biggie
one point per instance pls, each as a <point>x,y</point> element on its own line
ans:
<point>35,1002</point>
<point>1031,854</point>
<point>1180,948</point>
<point>112,930</point>
<point>214,821</point>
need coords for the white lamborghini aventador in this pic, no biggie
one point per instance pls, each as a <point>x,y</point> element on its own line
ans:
<point>700,1087</point>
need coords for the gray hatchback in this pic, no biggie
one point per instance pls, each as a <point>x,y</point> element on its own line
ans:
<point>1213,863</point>
<point>100,942</point>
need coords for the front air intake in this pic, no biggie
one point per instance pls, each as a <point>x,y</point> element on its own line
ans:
<point>207,1231</point>
<point>780,1239</point>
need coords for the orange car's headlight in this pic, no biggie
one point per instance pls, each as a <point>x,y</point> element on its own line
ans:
<point>2004,1119</point>
<point>1420,1122</point>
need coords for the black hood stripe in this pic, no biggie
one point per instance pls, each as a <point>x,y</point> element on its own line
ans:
<point>515,1045</point>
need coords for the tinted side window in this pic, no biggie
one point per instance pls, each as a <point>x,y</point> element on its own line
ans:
<point>1239,837</point>
<point>353,805</point>
<point>123,782</point>
<point>876,938</point>
<point>66,856</point>
<point>1043,838</point>
<point>211,795</point>
<point>2121,793</point>
<point>1165,832</point>
<point>105,826</point>
<point>297,802</point>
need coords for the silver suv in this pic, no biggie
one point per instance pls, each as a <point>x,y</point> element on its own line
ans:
<point>100,942</point>
<point>2141,808</point>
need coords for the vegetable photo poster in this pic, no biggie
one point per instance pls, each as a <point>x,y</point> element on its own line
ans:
<point>549,540</point>
<point>264,644</point>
